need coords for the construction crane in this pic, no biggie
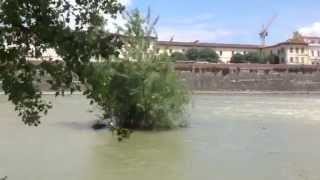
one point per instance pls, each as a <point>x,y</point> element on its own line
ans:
<point>265,30</point>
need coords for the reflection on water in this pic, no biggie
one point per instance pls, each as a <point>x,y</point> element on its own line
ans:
<point>230,137</point>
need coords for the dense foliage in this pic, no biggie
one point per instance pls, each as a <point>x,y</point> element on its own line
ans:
<point>139,90</point>
<point>139,95</point>
<point>255,57</point>
<point>29,28</point>
<point>238,58</point>
<point>205,54</point>
<point>178,56</point>
<point>209,55</point>
<point>192,54</point>
<point>273,59</point>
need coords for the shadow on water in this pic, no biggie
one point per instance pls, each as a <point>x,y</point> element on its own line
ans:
<point>76,125</point>
<point>145,156</point>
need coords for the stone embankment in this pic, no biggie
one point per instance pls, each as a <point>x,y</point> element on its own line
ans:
<point>250,77</point>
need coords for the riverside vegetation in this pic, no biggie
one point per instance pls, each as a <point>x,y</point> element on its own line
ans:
<point>28,29</point>
<point>138,89</point>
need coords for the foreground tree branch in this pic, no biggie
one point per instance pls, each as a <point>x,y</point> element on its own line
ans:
<point>28,29</point>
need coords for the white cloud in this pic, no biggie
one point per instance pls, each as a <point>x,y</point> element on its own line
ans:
<point>192,34</point>
<point>126,2</point>
<point>119,21</point>
<point>312,30</point>
<point>111,22</point>
<point>198,27</point>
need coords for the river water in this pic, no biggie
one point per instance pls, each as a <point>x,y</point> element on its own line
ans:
<point>243,137</point>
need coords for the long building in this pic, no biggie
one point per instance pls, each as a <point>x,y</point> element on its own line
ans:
<point>297,50</point>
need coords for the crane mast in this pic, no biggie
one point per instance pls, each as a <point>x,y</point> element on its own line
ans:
<point>264,33</point>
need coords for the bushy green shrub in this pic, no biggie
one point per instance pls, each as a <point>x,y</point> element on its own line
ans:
<point>209,55</point>
<point>238,58</point>
<point>140,89</point>
<point>273,59</point>
<point>140,95</point>
<point>178,56</point>
<point>192,54</point>
<point>254,57</point>
<point>205,54</point>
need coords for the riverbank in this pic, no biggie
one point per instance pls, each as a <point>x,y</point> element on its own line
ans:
<point>253,92</point>
<point>214,92</point>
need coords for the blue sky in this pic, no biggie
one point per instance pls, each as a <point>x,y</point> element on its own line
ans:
<point>232,21</point>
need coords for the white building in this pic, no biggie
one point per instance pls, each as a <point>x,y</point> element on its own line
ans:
<point>225,51</point>
<point>314,48</point>
<point>292,51</point>
<point>298,50</point>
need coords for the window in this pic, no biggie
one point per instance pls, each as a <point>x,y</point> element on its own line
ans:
<point>271,52</point>
<point>244,52</point>
<point>291,50</point>
<point>183,50</point>
<point>318,53</point>
<point>170,50</point>
<point>302,50</point>
<point>312,53</point>
<point>312,41</point>
<point>232,52</point>
<point>297,50</point>
<point>158,50</point>
<point>221,53</point>
<point>291,59</point>
<point>302,60</point>
<point>297,60</point>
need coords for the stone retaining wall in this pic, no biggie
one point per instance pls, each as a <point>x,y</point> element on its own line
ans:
<point>250,78</point>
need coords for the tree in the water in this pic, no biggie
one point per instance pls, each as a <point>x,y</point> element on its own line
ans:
<point>29,28</point>
<point>139,89</point>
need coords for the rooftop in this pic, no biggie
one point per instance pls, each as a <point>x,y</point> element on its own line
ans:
<point>207,45</point>
<point>297,39</point>
<point>311,37</point>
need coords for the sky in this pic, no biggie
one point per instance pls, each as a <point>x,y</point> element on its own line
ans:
<point>231,21</point>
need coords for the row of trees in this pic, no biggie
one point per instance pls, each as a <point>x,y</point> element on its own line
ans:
<point>211,56</point>
<point>255,57</point>
<point>197,55</point>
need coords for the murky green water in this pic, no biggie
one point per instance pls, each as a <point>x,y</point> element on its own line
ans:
<point>239,137</point>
